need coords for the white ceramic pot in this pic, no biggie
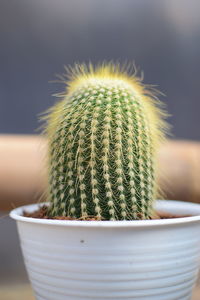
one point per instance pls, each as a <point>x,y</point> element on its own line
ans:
<point>141,260</point>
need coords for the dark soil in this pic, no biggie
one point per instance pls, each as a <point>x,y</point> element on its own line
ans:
<point>42,213</point>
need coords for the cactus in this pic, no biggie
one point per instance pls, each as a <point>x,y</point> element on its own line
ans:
<point>103,139</point>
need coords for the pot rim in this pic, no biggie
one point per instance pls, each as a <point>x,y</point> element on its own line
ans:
<point>162,205</point>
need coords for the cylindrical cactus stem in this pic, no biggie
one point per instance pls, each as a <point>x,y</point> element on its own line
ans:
<point>103,140</point>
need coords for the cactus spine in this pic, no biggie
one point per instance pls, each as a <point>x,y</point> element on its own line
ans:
<point>103,139</point>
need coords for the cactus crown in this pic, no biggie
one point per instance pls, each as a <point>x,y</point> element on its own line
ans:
<point>103,138</point>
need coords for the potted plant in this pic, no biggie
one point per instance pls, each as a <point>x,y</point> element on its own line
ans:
<point>101,238</point>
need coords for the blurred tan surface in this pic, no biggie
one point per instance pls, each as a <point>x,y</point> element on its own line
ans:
<point>179,168</point>
<point>24,292</point>
<point>18,292</point>
<point>22,172</point>
<point>23,179</point>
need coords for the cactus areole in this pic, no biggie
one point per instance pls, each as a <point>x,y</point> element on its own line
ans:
<point>103,138</point>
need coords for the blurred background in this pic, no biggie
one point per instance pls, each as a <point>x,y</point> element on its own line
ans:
<point>39,37</point>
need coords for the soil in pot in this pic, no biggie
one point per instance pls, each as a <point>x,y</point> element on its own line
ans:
<point>42,213</point>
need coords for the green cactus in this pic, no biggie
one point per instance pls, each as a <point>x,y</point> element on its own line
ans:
<point>103,140</point>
